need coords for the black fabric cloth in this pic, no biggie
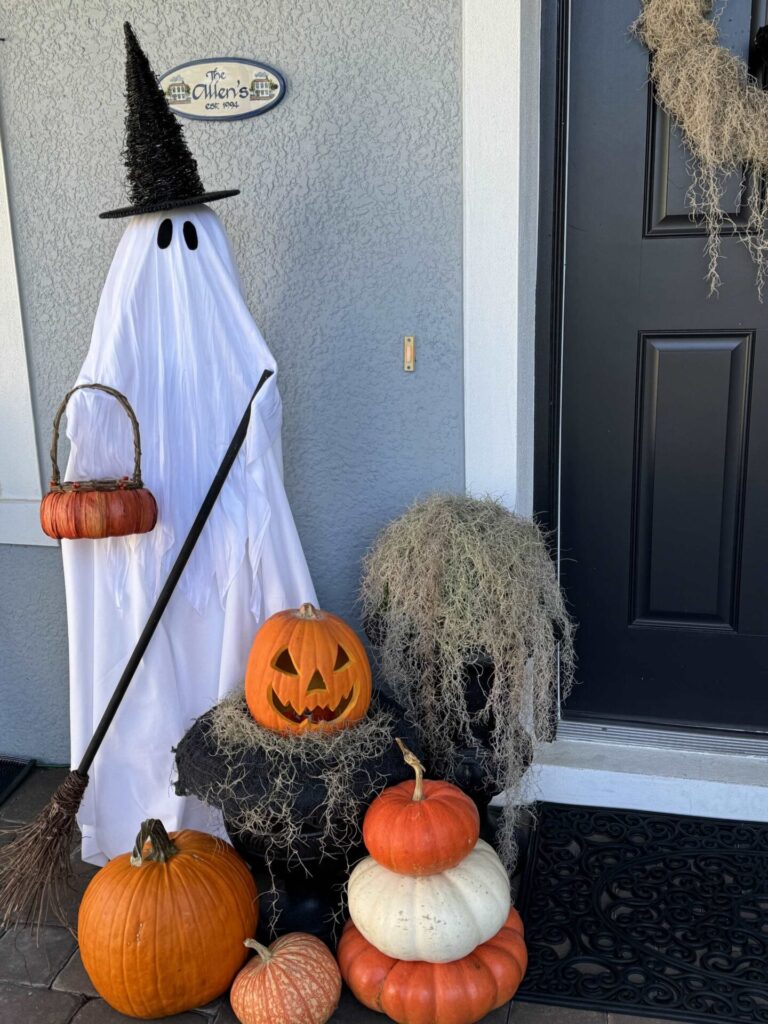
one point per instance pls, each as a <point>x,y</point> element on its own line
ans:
<point>201,767</point>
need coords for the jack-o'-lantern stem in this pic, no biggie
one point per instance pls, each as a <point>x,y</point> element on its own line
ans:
<point>308,611</point>
<point>410,759</point>
<point>264,952</point>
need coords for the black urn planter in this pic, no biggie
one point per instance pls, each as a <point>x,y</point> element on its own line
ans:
<point>304,892</point>
<point>258,849</point>
<point>295,902</point>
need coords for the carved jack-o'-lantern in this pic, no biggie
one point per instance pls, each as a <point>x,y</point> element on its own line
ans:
<point>307,671</point>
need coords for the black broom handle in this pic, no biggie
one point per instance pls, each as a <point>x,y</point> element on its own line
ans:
<point>170,584</point>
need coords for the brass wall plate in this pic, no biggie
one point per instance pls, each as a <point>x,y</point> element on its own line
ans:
<point>409,353</point>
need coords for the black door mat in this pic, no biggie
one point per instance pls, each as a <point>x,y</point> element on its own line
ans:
<point>12,774</point>
<point>656,915</point>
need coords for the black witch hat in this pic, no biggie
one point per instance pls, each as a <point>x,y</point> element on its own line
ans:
<point>162,173</point>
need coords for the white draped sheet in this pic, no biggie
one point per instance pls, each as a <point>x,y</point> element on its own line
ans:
<point>174,334</point>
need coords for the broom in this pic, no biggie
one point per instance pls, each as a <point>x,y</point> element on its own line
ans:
<point>36,865</point>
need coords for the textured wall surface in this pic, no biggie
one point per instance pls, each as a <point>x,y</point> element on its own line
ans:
<point>34,698</point>
<point>347,235</point>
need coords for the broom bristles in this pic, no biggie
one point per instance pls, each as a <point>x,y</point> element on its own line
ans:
<point>35,866</point>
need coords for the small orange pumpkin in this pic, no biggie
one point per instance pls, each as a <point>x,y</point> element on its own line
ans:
<point>161,930</point>
<point>413,992</point>
<point>294,981</point>
<point>307,672</point>
<point>420,827</point>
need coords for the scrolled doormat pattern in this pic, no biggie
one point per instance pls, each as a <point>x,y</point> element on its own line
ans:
<point>657,915</point>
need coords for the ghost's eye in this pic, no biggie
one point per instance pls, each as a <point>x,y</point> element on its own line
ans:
<point>165,233</point>
<point>190,234</point>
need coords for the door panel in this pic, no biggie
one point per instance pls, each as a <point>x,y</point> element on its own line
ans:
<point>685,559</point>
<point>667,180</point>
<point>664,452</point>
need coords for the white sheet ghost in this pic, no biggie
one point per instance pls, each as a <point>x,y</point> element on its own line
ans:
<point>174,334</point>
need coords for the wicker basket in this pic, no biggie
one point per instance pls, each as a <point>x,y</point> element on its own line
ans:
<point>92,509</point>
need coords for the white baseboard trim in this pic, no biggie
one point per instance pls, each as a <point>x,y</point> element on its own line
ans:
<point>650,779</point>
<point>20,523</point>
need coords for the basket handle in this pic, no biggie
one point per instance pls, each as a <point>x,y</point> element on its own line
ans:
<point>55,474</point>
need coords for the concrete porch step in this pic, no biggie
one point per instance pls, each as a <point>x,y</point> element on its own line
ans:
<point>601,774</point>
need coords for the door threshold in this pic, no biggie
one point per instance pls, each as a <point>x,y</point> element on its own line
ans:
<point>650,778</point>
<point>702,741</point>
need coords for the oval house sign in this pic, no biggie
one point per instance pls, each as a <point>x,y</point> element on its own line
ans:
<point>222,88</point>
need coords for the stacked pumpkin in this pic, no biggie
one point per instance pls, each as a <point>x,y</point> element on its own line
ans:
<point>432,935</point>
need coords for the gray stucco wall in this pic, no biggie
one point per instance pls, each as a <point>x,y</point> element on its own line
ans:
<point>347,235</point>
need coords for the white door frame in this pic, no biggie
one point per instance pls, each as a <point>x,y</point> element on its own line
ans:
<point>664,770</point>
<point>501,184</point>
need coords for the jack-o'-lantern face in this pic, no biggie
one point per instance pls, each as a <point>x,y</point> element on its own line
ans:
<point>307,671</point>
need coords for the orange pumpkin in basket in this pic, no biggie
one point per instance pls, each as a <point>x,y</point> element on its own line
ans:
<point>91,515</point>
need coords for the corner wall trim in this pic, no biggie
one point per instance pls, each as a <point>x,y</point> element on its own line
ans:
<point>20,490</point>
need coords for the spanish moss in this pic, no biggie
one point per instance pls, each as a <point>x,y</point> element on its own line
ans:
<point>457,582</point>
<point>722,113</point>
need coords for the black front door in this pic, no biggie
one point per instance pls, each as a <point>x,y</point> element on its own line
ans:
<point>663,460</point>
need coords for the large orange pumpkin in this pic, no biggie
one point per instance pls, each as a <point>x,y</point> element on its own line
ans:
<point>414,992</point>
<point>162,930</point>
<point>293,981</point>
<point>307,671</point>
<point>420,827</point>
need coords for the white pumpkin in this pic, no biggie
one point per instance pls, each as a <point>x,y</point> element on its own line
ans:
<point>437,918</point>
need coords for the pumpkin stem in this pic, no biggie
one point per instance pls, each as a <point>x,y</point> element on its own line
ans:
<point>308,611</point>
<point>162,849</point>
<point>410,759</point>
<point>264,952</point>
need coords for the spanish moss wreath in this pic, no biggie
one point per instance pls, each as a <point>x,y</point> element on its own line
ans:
<point>454,583</point>
<point>722,112</point>
<point>283,788</point>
